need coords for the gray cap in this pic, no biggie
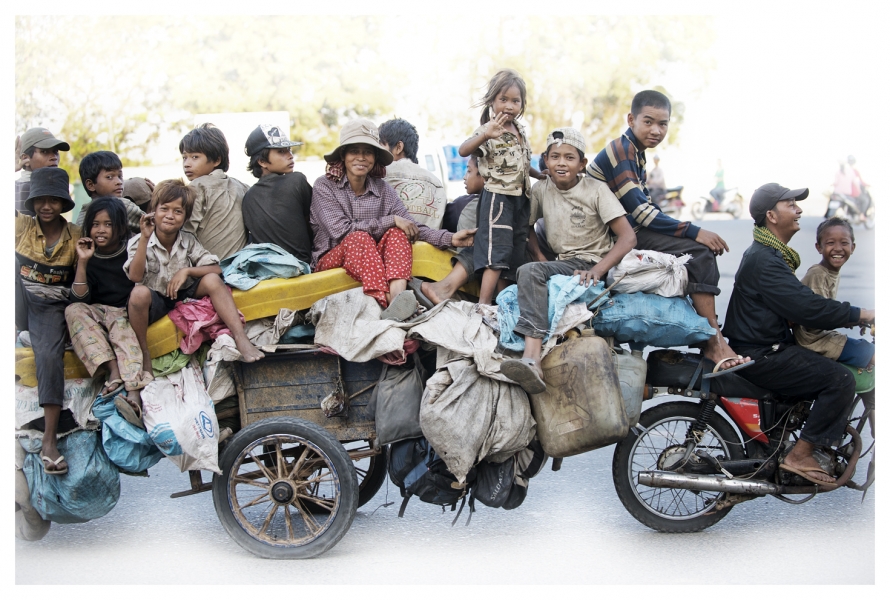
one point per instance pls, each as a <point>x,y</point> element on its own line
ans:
<point>765,197</point>
<point>40,137</point>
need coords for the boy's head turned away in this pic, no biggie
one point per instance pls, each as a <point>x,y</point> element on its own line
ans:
<point>102,174</point>
<point>203,150</point>
<point>171,190</point>
<point>649,117</point>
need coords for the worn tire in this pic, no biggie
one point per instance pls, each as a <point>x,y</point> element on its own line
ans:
<point>373,481</point>
<point>670,420</point>
<point>321,458</point>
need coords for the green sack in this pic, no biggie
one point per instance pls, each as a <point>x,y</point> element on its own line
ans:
<point>176,360</point>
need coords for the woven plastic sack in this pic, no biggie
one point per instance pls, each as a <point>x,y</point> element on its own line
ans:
<point>127,446</point>
<point>652,272</point>
<point>90,488</point>
<point>651,319</point>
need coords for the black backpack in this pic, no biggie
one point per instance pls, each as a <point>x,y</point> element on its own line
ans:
<point>505,485</point>
<point>418,471</point>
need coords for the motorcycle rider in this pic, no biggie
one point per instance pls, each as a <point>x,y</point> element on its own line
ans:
<point>719,190</point>
<point>657,187</point>
<point>859,193</point>
<point>766,296</point>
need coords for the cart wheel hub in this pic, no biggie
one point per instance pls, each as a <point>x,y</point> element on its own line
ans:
<point>282,492</point>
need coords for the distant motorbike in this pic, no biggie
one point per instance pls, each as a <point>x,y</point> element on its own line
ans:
<point>670,200</point>
<point>856,210</point>
<point>732,202</point>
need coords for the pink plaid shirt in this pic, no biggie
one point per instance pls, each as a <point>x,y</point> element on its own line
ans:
<point>337,212</point>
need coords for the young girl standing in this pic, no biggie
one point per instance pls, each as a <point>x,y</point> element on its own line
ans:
<point>503,155</point>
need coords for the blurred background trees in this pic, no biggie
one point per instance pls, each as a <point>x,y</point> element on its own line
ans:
<point>121,83</point>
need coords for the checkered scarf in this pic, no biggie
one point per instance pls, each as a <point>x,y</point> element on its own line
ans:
<point>767,238</point>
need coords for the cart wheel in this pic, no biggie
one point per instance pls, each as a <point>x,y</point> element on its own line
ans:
<point>371,470</point>
<point>301,505</point>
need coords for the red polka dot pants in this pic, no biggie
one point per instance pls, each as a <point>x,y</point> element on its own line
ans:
<point>374,264</point>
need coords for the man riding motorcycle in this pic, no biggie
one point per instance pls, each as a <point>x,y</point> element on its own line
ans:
<point>765,298</point>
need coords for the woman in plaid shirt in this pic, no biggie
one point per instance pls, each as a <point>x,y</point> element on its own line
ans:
<point>360,224</point>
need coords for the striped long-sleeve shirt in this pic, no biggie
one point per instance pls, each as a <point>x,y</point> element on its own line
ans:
<point>623,167</point>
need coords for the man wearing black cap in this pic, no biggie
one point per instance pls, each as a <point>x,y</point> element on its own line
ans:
<point>765,298</point>
<point>35,149</point>
<point>276,208</point>
<point>45,258</point>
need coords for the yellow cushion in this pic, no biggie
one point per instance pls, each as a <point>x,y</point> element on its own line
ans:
<point>263,300</point>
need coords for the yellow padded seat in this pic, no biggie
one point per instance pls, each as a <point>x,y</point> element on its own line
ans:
<point>263,300</point>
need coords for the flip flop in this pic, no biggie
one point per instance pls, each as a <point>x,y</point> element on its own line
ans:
<point>803,473</point>
<point>131,414</point>
<point>119,385</point>
<point>48,461</point>
<point>401,308</point>
<point>524,372</point>
<point>718,371</point>
<point>414,284</point>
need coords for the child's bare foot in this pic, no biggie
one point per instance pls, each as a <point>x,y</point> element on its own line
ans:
<point>249,352</point>
<point>438,291</point>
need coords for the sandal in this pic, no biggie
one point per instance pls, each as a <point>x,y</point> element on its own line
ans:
<point>116,385</point>
<point>401,308</point>
<point>131,414</point>
<point>48,461</point>
<point>526,373</point>
<point>720,371</point>
<point>414,285</point>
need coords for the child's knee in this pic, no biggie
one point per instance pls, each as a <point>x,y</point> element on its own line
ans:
<point>212,281</point>
<point>361,237</point>
<point>140,298</point>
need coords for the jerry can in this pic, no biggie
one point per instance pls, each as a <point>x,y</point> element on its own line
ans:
<point>632,377</point>
<point>582,408</point>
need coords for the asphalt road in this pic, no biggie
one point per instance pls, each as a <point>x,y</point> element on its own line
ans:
<point>571,529</point>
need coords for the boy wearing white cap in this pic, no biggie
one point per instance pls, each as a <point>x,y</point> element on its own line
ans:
<point>578,214</point>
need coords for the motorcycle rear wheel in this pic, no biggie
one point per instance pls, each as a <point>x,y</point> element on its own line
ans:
<point>664,509</point>
<point>697,210</point>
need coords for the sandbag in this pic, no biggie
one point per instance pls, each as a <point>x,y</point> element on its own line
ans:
<point>127,446</point>
<point>467,417</point>
<point>79,396</point>
<point>89,490</point>
<point>651,272</point>
<point>179,416</point>
<point>651,319</point>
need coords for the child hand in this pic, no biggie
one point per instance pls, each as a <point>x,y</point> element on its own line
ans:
<point>147,224</point>
<point>408,226</point>
<point>463,238</point>
<point>495,127</point>
<point>588,278</point>
<point>177,281</point>
<point>85,249</point>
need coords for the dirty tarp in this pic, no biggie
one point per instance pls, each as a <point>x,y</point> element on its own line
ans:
<point>218,371</point>
<point>467,417</point>
<point>268,330</point>
<point>349,323</point>
<point>198,320</point>
<point>256,262</point>
<point>563,291</point>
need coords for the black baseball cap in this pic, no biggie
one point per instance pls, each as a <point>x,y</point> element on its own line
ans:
<point>267,136</point>
<point>765,197</point>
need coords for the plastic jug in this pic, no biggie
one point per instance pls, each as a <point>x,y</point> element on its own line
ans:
<point>632,377</point>
<point>583,408</point>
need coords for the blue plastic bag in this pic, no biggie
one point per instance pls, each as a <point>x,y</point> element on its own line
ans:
<point>562,290</point>
<point>127,446</point>
<point>90,488</point>
<point>653,320</point>
<point>256,262</point>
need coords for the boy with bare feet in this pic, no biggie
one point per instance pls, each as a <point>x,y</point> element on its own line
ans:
<point>172,265</point>
<point>622,165</point>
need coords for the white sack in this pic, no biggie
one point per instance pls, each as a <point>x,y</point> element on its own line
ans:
<point>651,272</point>
<point>79,397</point>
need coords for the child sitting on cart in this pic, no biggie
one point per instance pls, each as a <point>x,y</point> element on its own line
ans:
<point>171,265</point>
<point>578,213</point>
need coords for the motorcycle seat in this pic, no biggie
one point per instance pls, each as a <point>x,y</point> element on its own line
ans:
<point>673,368</point>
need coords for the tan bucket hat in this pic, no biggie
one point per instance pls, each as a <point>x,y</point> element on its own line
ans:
<point>360,131</point>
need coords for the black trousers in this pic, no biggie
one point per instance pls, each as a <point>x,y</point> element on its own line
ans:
<point>800,372</point>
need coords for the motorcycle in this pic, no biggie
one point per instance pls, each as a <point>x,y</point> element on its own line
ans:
<point>670,200</point>
<point>847,207</point>
<point>732,202</point>
<point>683,467</point>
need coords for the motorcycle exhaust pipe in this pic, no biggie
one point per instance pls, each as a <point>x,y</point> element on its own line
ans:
<point>706,483</point>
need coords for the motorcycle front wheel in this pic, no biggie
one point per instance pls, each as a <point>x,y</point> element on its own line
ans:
<point>652,446</point>
<point>698,210</point>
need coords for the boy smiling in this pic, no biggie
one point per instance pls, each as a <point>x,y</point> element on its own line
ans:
<point>578,214</point>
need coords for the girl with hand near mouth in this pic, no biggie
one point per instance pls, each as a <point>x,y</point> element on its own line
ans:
<point>503,152</point>
<point>97,319</point>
